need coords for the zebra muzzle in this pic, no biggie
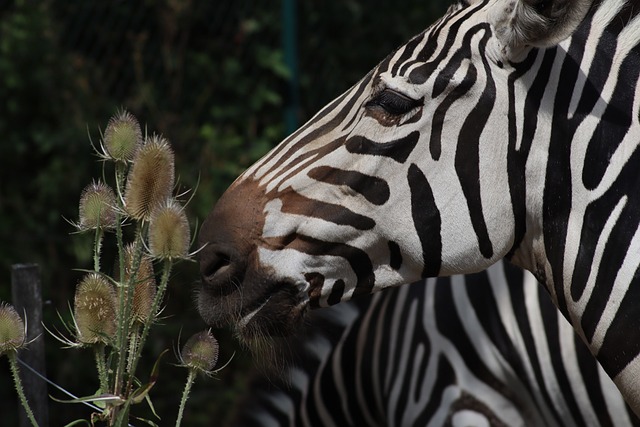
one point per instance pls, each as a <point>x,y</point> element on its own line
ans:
<point>235,288</point>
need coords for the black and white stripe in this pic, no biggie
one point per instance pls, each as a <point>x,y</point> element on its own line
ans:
<point>508,129</point>
<point>483,349</point>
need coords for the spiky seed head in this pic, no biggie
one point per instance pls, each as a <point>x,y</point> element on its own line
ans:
<point>144,282</point>
<point>123,137</point>
<point>151,178</point>
<point>97,207</point>
<point>12,333</point>
<point>169,233</point>
<point>95,310</point>
<point>200,352</point>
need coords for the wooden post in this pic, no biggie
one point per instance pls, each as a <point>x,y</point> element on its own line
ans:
<point>26,292</point>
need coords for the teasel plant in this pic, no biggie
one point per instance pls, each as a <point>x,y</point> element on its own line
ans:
<point>13,337</point>
<point>199,355</point>
<point>113,314</point>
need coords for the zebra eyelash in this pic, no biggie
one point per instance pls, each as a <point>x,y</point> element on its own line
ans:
<point>393,102</point>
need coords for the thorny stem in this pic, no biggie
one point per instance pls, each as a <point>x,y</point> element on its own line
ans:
<point>155,307</point>
<point>185,395</point>
<point>102,367</point>
<point>121,336</point>
<point>125,296</point>
<point>126,293</point>
<point>13,362</point>
<point>134,342</point>
<point>130,286</point>
<point>97,248</point>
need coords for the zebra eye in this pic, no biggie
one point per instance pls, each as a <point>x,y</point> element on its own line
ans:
<point>542,7</point>
<point>393,102</point>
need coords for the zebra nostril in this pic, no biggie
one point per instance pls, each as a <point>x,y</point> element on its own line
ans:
<point>217,265</point>
<point>219,272</point>
<point>229,237</point>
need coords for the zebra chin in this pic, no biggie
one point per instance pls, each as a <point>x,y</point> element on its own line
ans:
<point>278,311</point>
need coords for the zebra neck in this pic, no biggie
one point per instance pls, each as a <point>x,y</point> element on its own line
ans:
<point>580,132</point>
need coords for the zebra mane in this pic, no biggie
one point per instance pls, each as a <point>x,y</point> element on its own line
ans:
<point>524,23</point>
<point>457,5</point>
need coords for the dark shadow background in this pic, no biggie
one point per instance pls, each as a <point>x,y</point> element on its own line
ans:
<point>211,76</point>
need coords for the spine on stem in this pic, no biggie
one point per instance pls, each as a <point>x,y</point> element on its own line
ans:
<point>13,363</point>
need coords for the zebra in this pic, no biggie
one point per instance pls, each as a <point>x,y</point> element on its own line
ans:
<point>507,129</point>
<point>522,363</point>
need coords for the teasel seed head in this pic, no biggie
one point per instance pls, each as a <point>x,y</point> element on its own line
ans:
<point>12,330</point>
<point>144,291</point>
<point>200,352</point>
<point>95,310</point>
<point>169,234</point>
<point>97,207</point>
<point>123,137</point>
<point>151,178</point>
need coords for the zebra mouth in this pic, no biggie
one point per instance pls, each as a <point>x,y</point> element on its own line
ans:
<point>278,313</point>
<point>236,287</point>
<point>255,309</point>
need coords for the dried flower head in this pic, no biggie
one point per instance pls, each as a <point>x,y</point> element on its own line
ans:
<point>169,234</point>
<point>12,330</point>
<point>123,137</point>
<point>144,283</point>
<point>200,352</point>
<point>95,310</point>
<point>151,178</point>
<point>97,207</point>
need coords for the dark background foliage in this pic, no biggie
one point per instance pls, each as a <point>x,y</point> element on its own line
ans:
<point>208,75</point>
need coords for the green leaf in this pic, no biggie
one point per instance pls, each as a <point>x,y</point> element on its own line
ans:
<point>153,410</point>
<point>78,422</point>
<point>140,394</point>
<point>144,420</point>
<point>106,398</point>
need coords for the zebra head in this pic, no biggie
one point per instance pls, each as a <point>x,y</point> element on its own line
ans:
<point>411,173</point>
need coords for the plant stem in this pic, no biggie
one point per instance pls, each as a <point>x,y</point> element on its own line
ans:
<point>127,289</point>
<point>185,395</point>
<point>166,273</point>
<point>123,319</point>
<point>120,418</point>
<point>97,248</point>
<point>13,362</point>
<point>134,342</point>
<point>102,367</point>
<point>126,316</point>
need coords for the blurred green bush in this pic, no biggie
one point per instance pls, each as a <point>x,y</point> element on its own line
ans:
<point>208,75</point>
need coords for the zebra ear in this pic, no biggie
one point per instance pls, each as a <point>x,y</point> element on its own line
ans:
<point>522,24</point>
